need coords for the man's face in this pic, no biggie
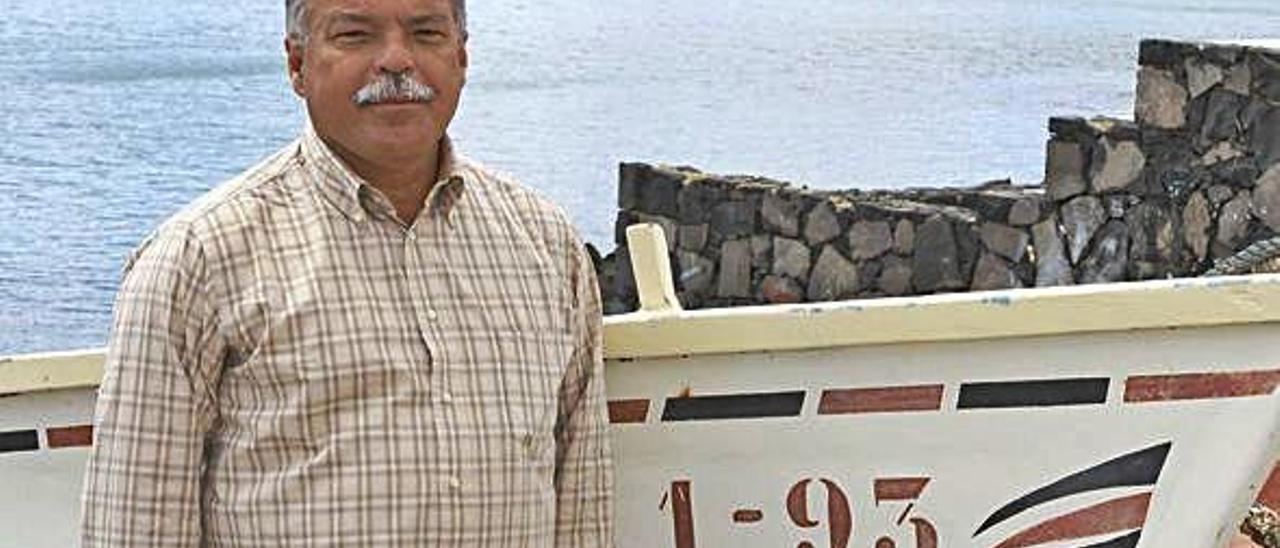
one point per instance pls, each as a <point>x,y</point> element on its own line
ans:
<point>351,43</point>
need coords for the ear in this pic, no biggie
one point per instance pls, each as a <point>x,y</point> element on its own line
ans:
<point>464,60</point>
<point>295,52</point>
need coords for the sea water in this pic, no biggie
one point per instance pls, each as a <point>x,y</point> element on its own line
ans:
<point>114,113</point>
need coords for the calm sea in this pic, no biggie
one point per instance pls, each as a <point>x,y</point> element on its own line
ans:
<point>113,113</point>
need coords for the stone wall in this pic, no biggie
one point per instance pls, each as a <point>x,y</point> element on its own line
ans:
<point>1191,179</point>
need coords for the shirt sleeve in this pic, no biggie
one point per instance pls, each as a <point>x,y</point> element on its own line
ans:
<point>156,402</point>
<point>584,471</point>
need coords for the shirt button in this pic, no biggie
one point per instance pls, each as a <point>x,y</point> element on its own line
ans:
<point>446,397</point>
<point>431,315</point>
<point>455,483</point>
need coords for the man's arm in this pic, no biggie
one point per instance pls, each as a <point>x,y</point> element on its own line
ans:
<point>143,484</point>
<point>584,469</point>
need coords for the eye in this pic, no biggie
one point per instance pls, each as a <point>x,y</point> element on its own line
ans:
<point>351,36</point>
<point>428,34</point>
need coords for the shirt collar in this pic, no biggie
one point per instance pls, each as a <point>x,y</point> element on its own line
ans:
<point>357,199</point>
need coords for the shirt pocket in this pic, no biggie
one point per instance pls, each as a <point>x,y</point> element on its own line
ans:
<point>532,365</point>
<point>291,333</point>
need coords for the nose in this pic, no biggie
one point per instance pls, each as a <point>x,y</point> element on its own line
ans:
<point>395,56</point>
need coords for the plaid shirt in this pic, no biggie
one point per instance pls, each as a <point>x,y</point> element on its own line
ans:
<point>292,366</point>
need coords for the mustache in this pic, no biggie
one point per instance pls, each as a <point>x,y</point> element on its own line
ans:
<point>395,87</point>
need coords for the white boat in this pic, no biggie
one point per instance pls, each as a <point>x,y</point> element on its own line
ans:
<point>1137,414</point>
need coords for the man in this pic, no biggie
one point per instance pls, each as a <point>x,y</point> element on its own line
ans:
<point>365,340</point>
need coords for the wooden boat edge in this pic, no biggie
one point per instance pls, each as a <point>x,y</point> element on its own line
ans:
<point>1163,304</point>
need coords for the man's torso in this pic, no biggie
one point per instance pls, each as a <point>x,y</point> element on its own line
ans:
<point>384,384</point>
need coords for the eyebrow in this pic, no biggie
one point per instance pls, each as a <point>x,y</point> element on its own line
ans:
<point>428,19</point>
<point>348,17</point>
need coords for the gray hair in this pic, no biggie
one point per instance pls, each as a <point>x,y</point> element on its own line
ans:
<point>295,18</point>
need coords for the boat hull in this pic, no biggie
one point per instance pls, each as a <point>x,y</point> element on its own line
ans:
<point>1126,415</point>
<point>921,445</point>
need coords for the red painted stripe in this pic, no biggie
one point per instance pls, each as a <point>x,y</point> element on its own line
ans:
<point>1108,517</point>
<point>682,508</point>
<point>747,516</point>
<point>899,488</point>
<point>628,411</point>
<point>881,400</point>
<point>1270,494</point>
<point>70,436</point>
<point>1200,386</point>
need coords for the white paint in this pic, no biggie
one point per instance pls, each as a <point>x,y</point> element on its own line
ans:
<point>978,459</point>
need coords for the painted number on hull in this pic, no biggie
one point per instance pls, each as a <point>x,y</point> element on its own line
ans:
<point>838,520</point>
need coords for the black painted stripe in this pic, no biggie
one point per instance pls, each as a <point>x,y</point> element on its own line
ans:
<point>733,406</point>
<point>1124,541</point>
<point>1137,468</point>
<point>1044,393</point>
<point>21,440</point>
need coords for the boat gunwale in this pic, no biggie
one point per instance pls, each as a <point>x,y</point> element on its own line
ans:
<point>972,316</point>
